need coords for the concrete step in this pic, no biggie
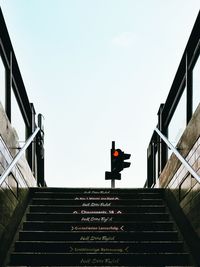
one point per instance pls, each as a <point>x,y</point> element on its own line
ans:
<point>73,202</point>
<point>96,217</point>
<point>99,247</point>
<point>86,196</point>
<point>92,191</point>
<point>98,236</point>
<point>102,209</point>
<point>102,259</point>
<point>87,227</point>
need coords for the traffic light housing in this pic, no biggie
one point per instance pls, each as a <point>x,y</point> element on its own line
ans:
<point>118,162</point>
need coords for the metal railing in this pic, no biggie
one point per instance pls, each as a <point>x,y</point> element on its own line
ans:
<point>181,158</point>
<point>18,156</point>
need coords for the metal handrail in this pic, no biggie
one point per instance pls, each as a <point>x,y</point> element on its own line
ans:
<point>18,156</point>
<point>181,158</point>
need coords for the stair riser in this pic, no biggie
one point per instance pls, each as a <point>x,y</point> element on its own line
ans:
<point>102,191</point>
<point>90,247</point>
<point>98,197</point>
<point>100,260</point>
<point>102,210</point>
<point>117,226</point>
<point>98,236</point>
<point>104,218</point>
<point>97,203</point>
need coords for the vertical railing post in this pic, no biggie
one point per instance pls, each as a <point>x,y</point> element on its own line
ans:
<point>8,88</point>
<point>189,90</point>
<point>40,152</point>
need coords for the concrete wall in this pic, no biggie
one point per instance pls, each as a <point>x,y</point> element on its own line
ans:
<point>14,191</point>
<point>176,178</point>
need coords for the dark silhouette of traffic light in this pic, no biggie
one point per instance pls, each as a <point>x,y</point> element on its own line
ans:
<point>118,162</point>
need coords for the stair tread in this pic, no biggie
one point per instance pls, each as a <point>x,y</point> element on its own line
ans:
<point>93,189</point>
<point>99,193</point>
<point>96,214</point>
<point>99,198</point>
<point>172,231</point>
<point>90,253</point>
<point>79,206</point>
<point>101,242</point>
<point>116,222</point>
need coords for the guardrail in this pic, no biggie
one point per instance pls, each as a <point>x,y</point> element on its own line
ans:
<point>18,156</point>
<point>179,156</point>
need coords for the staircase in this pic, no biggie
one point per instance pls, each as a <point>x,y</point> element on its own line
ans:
<point>98,227</point>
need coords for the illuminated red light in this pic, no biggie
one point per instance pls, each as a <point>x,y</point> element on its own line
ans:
<point>116,153</point>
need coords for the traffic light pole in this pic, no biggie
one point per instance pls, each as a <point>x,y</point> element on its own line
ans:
<point>112,183</point>
<point>113,180</point>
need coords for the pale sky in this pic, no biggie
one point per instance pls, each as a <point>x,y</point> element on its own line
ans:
<point>98,71</point>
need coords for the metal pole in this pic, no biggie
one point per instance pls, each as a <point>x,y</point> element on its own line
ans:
<point>113,148</point>
<point>112,183</point>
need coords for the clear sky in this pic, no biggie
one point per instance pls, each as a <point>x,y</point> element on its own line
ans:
<point>98,70</point>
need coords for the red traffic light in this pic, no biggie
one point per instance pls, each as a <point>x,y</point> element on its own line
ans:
<point>116,153</point>
<point>118,158</point>
<point>118,163</point>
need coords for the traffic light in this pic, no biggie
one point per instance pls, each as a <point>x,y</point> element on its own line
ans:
<point>118,162</point>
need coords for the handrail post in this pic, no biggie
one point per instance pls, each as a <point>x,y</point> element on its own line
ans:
<point>40,152</point>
